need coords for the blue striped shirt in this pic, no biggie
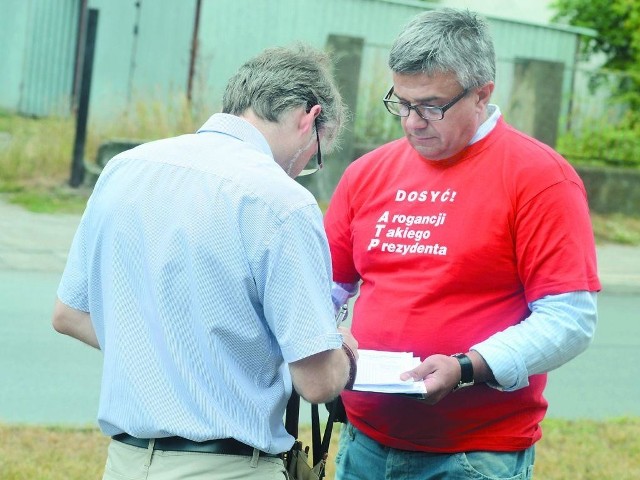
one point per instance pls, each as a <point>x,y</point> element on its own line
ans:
<point>205,269</point>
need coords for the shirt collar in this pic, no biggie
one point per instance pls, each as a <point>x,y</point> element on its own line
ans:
<point>238,128</point>
<point>488,124</point>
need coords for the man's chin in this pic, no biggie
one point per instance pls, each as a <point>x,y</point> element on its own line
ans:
<point>428,153</point>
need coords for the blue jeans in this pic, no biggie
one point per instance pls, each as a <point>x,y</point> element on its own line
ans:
<point>360,457</point>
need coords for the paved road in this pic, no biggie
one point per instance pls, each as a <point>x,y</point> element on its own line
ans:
<point>48,378</point>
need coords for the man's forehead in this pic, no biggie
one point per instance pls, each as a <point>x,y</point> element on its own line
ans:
<point>420,87</point>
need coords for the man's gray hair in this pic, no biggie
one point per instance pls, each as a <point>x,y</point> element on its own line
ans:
<point>446,41</point>
<point>283,78</point>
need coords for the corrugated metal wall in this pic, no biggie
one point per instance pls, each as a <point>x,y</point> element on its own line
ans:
<point>143,47</point>
<point>290,20</point>
<point>142,53</point>
<point>46,79</point>
<point>13,34</point>
<point>230,38</point>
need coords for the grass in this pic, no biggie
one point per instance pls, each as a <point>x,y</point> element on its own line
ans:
<point>55,199</point>
<point>40,453</point>
<point>35,160</point>
<point>616,228</point>
<point>580,450</point>
<point>36,153</point>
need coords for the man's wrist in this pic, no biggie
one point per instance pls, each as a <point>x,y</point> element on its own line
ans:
<point>466,371</point>
<point>481,371</point>
<point>353,366</point>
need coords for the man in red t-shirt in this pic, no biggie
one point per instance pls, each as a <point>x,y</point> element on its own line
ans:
<point>472,247</point>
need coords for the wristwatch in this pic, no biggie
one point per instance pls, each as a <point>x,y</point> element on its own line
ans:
<point>466,371</point>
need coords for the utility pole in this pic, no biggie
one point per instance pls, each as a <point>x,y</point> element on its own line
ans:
<point>77,163</point>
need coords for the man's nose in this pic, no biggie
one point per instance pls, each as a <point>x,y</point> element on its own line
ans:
<point>414,120</point>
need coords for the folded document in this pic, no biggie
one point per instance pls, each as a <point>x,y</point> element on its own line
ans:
<point>379,371</point>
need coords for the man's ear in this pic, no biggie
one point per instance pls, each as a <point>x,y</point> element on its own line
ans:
<point>484,93</point>
<point>307,121</point>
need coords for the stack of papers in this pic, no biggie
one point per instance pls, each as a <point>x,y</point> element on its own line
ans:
<point>379,371</point>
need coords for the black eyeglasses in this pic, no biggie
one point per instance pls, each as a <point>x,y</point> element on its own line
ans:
<point>309,171</point>
<point>426,112</point>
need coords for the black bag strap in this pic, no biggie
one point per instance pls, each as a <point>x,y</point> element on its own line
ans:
<point>292,414</point>
<point>328,429</point>
<point>319,445</point>
<point>315,434</point>
<point>323,445</point>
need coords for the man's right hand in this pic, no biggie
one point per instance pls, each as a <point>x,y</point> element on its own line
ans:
<point>321,377</point>
<point>349,339</point>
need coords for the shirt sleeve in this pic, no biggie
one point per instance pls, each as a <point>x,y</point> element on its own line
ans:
<point>559,328</point>
<point>295,280</point>
<point>73,287</point>
<point>554,246</point>
<point>342,292</point>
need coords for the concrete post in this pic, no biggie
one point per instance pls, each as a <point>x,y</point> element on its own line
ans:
<point>536,97</point>
<point>347,55</point>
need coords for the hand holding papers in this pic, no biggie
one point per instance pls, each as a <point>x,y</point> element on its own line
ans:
<point>379,371</point>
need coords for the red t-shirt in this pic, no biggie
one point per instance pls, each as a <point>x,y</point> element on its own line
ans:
<point>449,253</point>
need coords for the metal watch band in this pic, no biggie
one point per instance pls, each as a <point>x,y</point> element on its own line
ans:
<point>466,371</point>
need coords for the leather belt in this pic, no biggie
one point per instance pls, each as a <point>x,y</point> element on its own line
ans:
<point>223,446</point>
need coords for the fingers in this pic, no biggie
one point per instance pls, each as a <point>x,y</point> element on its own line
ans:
<point>410,375</point>
<point>440,374</point>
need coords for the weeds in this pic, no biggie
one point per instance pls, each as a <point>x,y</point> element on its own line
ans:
<point>35,156</point>
<point>576,449</point>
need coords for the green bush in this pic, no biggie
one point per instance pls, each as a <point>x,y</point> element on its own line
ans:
<point>601,142</point>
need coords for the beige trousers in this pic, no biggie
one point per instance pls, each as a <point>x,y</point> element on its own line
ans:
<point>125,462</point>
